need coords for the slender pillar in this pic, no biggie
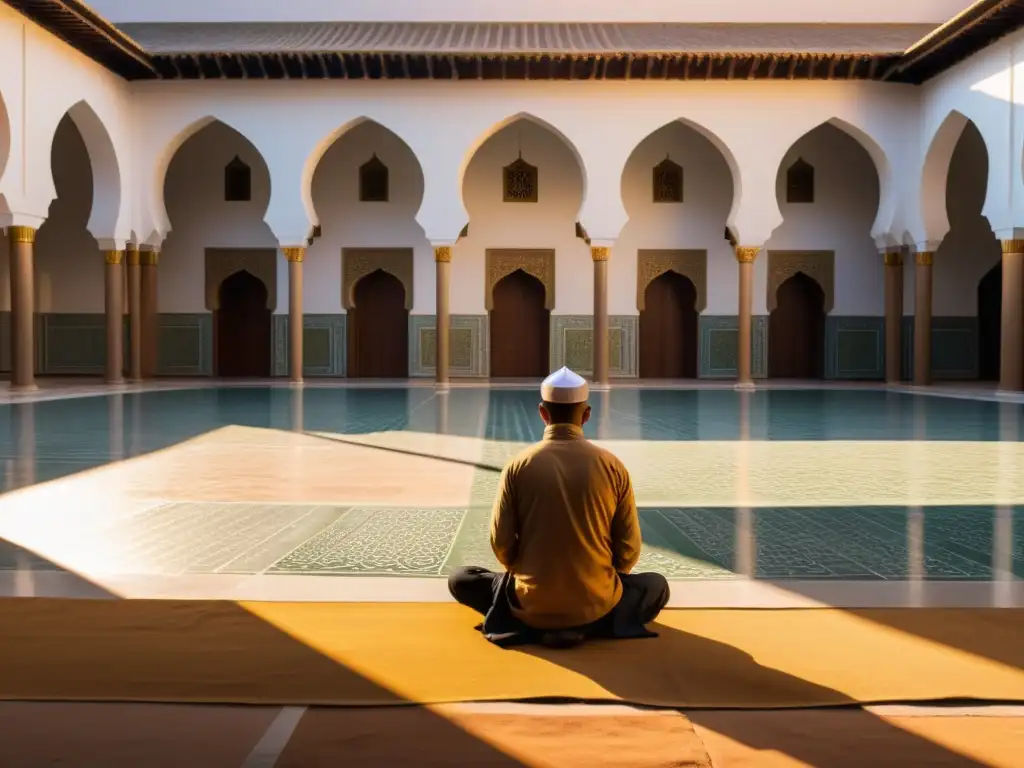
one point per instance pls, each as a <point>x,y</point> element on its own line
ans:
<point>23,297</point>
<point>114,303</point>
<point>295,258</point>
<point>745,255</point>
<point>1011,353</point>
<point>150,314</point>
<point>893,316</point>
<point>443,269</point>
<point>600,256</point>
<point>134,313</point>
<point>923,261</point>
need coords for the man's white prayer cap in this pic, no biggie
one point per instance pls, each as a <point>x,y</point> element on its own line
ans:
<point>564,386</point>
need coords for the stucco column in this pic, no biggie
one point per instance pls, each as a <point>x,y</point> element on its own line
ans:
<point>600,255</point>
<point>893,316</point>
<point>23,298</point>
<point>923,261</point>
<point>745,256</point>
<point>443,270</point>
<point>114,304</point>
<point>150,313</point>
<point>1011,354</point>
<point>134,313</point>
<point>295,258</point>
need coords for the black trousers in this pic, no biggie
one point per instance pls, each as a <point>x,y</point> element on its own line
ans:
<point>644,595</point>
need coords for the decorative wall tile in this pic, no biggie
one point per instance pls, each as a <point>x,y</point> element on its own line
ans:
<point>572,340</point>
<point>854,347</point>
<point>186,345</point>
<point>954,348</point>
<point>324,345</point>
<point>468,345</point>
<point>719,342</point>
<point>71,344</point>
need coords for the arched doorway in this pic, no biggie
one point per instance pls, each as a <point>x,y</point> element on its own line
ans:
<point>796,330</point>
<point>379,333</point>
<point>242,325</point>
<point>520,327</point>
<point>990,323</point>
<point>668,328</point>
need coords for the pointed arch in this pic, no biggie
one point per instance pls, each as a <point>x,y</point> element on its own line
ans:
<point>482,139</point>
<point>935,175</point>
<point>105,216</point>
<point>5,144</point>
<point>328,141</point>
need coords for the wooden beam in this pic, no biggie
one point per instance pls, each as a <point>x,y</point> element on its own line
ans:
<point>832,68</point>
<point>730,74</point>
<point>792,68</point>
<point>707,70</point>
<point>772,66</point>
<point>754,64</point>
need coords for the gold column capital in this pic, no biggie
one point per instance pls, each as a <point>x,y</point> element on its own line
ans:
<point>600,252</point>
<point>113,257</point>
<point>21,234</point>
<point>131,252</point>
<point>747,254</point>
<point>1012,246</point>
<point>893,258</point>
<point>924,258</point>
<point>443,253</point>
<point>296,254</point>
<point>149,258</point>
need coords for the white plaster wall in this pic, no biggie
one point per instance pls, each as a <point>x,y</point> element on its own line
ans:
<point>699,222</point>
<point>200,217</point>
<point>348,223</point>
<point>846,198</point>
<point>970,249</point>
<point>41,79</point>
<point>548,223</point>
<point>750,11</point>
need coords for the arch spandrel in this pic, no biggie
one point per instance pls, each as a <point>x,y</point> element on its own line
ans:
<point>357,263</point>
<point>536,262</point>
<point>221,263</point>
<point>691,264</point>
<point>818,265</point>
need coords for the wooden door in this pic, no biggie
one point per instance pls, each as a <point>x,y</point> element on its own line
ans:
<point>243,324</point>
<point>668,328</point>
<point>796,330</point>
<point>379,333</point>
<point>990,323</point>
<point>520,326</point>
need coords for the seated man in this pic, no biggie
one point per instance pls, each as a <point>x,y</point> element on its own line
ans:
<point>566,529</point>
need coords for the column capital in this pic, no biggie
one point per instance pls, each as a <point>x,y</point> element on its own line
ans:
<point>893,258</point>
<point>149,258</point>
<point>131,252</point>
<point>443,253</point>
<point>600,252</point>
<point>747,254</point>
<point>21,234</point>
<point>295,254</point>
<point>924,258</point>
<point>113,257</point>
<point>1012,246</point>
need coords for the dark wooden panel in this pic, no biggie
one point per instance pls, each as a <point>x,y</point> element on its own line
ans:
<point>379,332</point>
<point>796,330</point>
<point>669,329</point>
<point>520,327</point>
<point>990,323</point>
<point>242,327</point>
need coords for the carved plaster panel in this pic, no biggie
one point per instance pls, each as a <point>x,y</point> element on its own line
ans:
<point>691,264</point>
<point>503,262</point>
<point>357,263</point>
<point>222,263</point>
<point>820,266</point>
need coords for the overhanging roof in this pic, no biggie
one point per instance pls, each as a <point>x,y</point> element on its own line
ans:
<point>401,50</point>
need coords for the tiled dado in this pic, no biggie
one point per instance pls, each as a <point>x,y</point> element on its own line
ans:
<point>854,347</point>
<point>185,344</point>
<point>954,348</point>
<point>469,339</point>
<point>324,345</point>
<point>572,344</point>
<point>719,344</point>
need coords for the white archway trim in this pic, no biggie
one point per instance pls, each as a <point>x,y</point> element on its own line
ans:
<point>105,220</point>
<point>5,148</point>
<point>935,176</point>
